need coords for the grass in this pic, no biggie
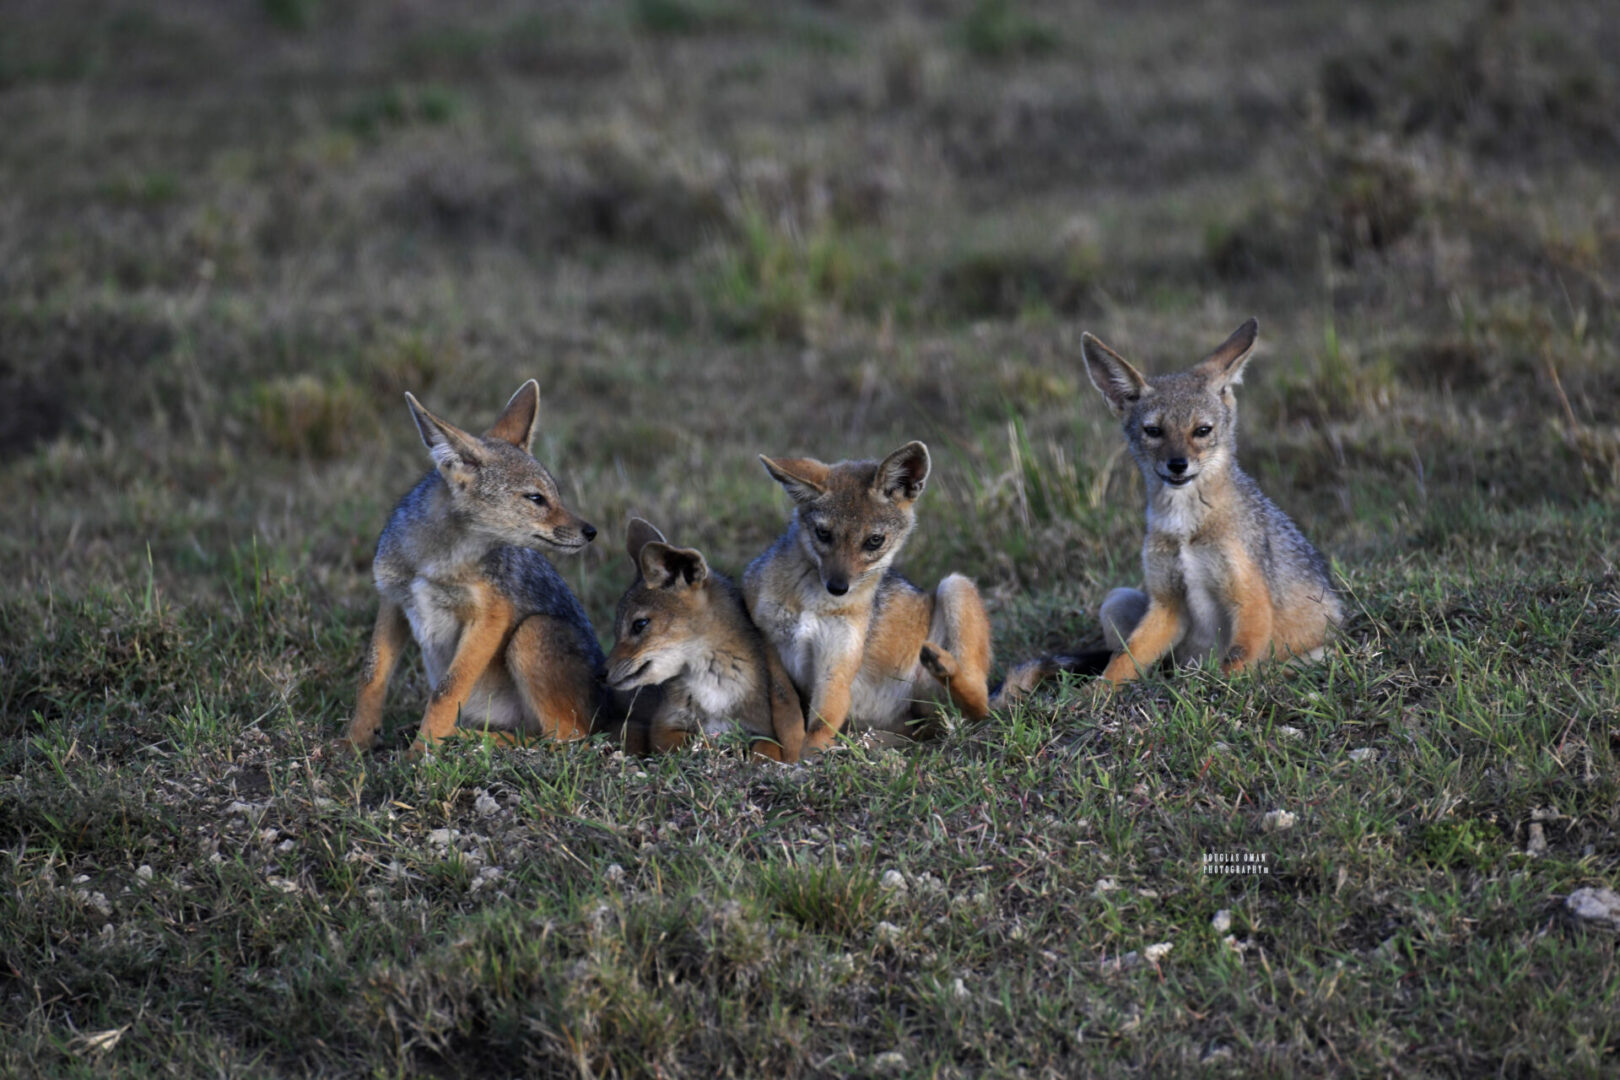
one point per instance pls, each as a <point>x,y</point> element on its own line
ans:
<point>228,246</point>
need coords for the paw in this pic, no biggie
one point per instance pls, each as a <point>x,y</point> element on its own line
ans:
<point>817,741</point>
<point>940,664</point>
<point>342,746</point>
<point>1236,659</point>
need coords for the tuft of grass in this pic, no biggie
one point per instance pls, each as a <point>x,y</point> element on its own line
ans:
<point>308,417</point>
<point>998,30</point>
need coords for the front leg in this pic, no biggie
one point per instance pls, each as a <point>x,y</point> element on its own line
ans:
<point>829,703</point>
<point>787,714</point>
<point>482,639</point>
<point>382,656</point>
<point>1161,627</point>
<point>1252,613</point>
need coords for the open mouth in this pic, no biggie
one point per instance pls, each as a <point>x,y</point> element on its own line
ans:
<point>1177,481</point>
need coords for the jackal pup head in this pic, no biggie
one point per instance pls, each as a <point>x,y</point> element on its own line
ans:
<point>1179,427</point>
<point>497,488</point>
<point>659,627</point>
<point>853,516</point>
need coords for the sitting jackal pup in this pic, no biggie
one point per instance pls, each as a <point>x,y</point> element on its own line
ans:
<point>686,627</point>
<point>505,643</point>
<point>863,644</point>
<point>1227,572</point>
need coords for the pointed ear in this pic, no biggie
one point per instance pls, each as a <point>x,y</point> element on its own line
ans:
<point>518,420</point>
<point>1121,385</point>
<point>455,452</point>
<point>638,535</point>
<point>664,567</point>
<point>902,475</point>
<point>1226,363</point>
<point>804,478</point>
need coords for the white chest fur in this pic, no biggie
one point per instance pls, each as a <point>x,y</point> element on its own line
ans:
<point>430,609</point>
<point>1178,514</point>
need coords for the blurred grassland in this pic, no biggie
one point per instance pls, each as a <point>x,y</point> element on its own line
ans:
<point>231,237</point>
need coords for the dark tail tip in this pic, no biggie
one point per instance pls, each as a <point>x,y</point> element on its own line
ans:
<point>1090,662</point>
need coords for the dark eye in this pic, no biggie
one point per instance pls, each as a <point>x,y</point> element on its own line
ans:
<point>1201,431</point>
<point>536,498</point>
<point>1152,431</point>
<point>638,626</point>
<point>824,535</point>
<point>874,541</point>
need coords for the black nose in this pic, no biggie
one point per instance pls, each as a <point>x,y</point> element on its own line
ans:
<point>1177,465</point>
<point>838,586</point>
<point>589,530</point>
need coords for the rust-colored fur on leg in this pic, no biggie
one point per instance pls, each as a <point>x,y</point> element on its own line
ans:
<point>1153,637</point>
<point>557,684</point>
<point>1251,608</point>
<point>482,637</point>
<point>388,638</point>
<point>961,658</point>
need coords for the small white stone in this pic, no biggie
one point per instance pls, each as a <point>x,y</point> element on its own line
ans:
<point>888,933</point>
<point>1536,846</point>
<point>890,1061</point>
<point>1279,820</point>
<point>443,837</point>
<point>1104,885</point>
<point>1590,907</point>
<point>1290,733</point>
<point>1154,953</point>
<point>959,989</point>
<point>282,883</point>
<point>239,807</point>
<point>894,881</point>
<point>287,846</point>
<point>1222,922</point>
<point>144,872</point>
<point>486,805</point>
<point>614,873</point>
<point>1363,753</point>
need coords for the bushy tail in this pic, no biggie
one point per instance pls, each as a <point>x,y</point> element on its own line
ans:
<point>1021,680</point>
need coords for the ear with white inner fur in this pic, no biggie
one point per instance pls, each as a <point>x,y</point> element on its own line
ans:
<point>1227,362</point>
<point>805,479</point>
<point>903,474</point>
<point>637,535</point>
<point>1121,384</point>
<point>456,453</point>
<point>663,566</point>
<point>520,419</point>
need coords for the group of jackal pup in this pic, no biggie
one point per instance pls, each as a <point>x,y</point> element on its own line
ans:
<point>824,633</point>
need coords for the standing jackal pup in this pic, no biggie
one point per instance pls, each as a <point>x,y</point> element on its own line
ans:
<point>505,643</point>
<point>686,627</point>
<point>862,643</point>
<point>1226,570</point>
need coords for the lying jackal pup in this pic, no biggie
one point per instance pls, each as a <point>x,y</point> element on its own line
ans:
<point>862,643</point>
<point>686,627</point>
<point>505,643</point>
<point>1227,571</point>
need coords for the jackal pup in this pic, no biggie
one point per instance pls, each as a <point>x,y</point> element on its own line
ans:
<point>686,627</point>
<point>459,565</point>
<point>862,643</point>
<point>1227,572</point>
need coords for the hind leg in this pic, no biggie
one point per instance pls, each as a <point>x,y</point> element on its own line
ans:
<point>957,652</point>
<point>554,677</point>
<point>1120,614</point>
